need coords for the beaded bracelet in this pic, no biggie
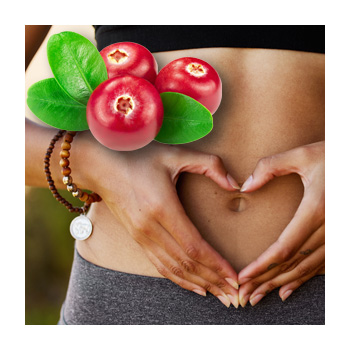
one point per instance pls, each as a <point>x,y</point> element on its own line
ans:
<point>66,171</point>
<point>81,226</point>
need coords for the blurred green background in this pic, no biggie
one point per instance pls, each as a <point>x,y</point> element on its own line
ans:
<point>49,246</point>
<point>49,251</point>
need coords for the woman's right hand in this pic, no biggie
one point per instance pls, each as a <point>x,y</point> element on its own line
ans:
<point>139,187</point>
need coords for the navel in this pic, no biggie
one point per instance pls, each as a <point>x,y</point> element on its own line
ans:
<point>238,204</point>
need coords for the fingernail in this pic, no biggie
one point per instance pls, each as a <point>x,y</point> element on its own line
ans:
<point>247,183</point>
<point>286,294</point>
<point>234,300</point>
<point>256,299</point>
<point>243,301</point>
<point>200,292</point>
<point>232,283</point>
<point>244,280</point>
<point>225,300</point>
<point>232,182</point>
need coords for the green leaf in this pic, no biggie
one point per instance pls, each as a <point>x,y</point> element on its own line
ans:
<point>76,64</point>
<point>54,107</point>
<point>185,119</point>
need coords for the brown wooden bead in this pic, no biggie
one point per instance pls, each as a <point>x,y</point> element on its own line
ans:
<point>77,193</point>
<point>64,162</point>
<point>84,197</point>
<point>64,153</point>
<point>68,138</point>
<point>67,180</point>
<point>72,187</point>
<point>66,171</point>
<point>65,145</point>
<point>95,197</point>
<point>89,200</point>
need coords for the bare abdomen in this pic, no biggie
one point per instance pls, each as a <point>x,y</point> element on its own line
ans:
<point>273,101</point>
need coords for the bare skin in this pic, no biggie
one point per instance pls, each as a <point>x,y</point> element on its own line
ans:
<point>273,101</point>
<point>259,122</point>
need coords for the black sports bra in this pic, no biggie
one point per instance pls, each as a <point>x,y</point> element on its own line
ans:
<point>157,38</point>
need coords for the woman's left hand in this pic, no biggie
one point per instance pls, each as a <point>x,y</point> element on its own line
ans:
<point>299,252</point>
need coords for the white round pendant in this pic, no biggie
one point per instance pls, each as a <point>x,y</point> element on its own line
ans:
<point>81,228</point>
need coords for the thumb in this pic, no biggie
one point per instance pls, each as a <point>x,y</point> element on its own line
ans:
<point>209,165</point>
<point>269,167</point>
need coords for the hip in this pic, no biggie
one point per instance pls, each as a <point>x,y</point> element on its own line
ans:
<point>101,296</point>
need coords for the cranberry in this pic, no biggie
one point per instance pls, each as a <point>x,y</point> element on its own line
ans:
<point>192,77</point>
<point>130,58</point>
<point>125,113</point>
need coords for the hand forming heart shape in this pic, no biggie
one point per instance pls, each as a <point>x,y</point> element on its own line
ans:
<point>299,252</point>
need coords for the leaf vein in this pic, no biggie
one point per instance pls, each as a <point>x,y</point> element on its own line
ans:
<point>187,120</point>
<point>80,70</point>
<point>57,103</point>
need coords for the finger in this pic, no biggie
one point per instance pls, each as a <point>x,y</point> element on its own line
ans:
<point>175,259</point>
<point>209,165</point>
<point>287,289</point>
<point>153,237</point>
<point>269,167</point>
<point>169,269</point>
<point>310,246</point>
<point>290,288</point>
<point>192,243</point>
<point>308,266</point>
<point>173,276</point>
<point>304,223</point>
<point>322,270</point>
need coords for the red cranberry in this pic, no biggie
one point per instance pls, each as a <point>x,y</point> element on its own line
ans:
<point>192,77</point>
<point>125,113</point>
<point>130,58</point>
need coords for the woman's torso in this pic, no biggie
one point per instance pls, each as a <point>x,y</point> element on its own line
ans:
<point>273,100</point>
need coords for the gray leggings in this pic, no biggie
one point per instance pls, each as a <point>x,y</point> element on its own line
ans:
<point>101,296</point>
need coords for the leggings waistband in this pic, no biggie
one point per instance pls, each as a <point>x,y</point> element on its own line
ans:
<point>97,295</point>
